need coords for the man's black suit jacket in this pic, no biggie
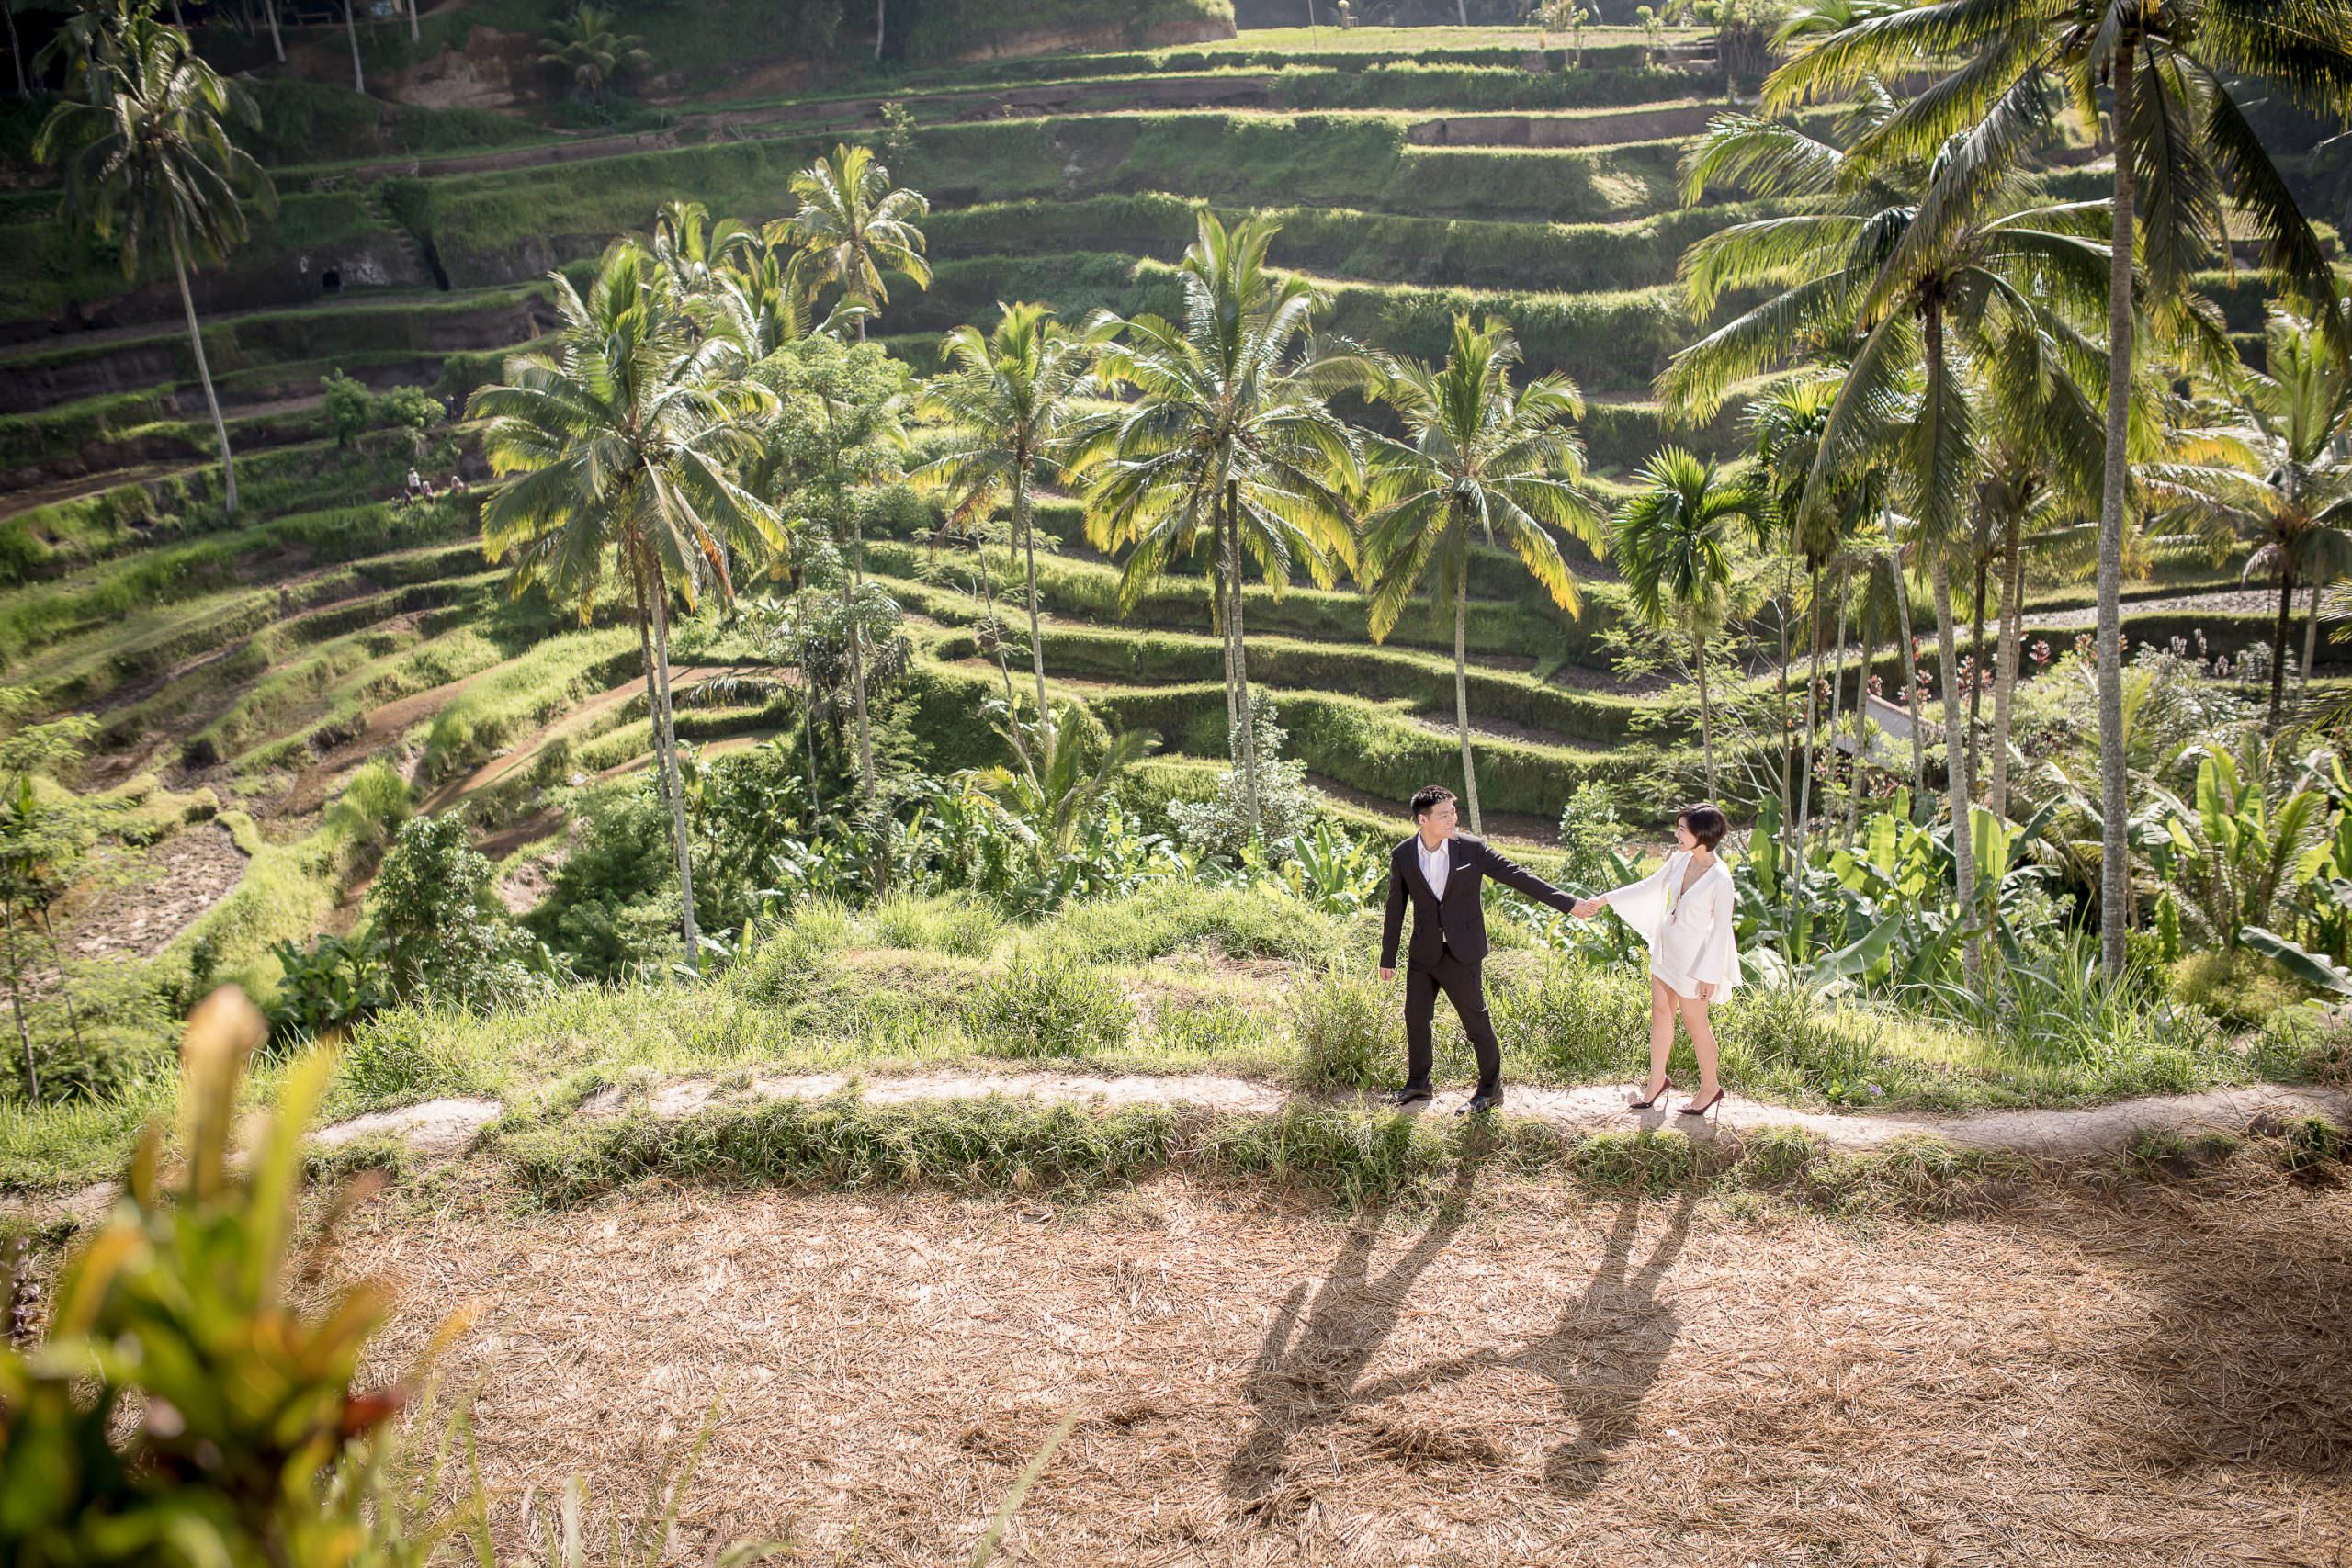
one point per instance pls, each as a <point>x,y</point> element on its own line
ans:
<point>1458,920</point>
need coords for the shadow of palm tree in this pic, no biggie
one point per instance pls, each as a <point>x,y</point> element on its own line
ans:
<point>1319,1342</point>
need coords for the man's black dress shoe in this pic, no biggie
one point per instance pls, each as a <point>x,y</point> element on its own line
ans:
<point>1482,1101</point>
<point>1408,1096</point>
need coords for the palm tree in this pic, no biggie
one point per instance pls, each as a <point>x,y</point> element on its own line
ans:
<point>1672,543</point>
<point>1786,425</point>
<point>854,226</point>
<point>148,163</point>
<point>1915,268</point>
<point>1482,458</point>
<point>351,33</point>
<point>2280,476</point>
<point>695,252</point>
<point>1227,447</point>
<point>621,444</point>
<point>1015,402</point>
<point>2040,447</point>
<point>2179,137</point>
<point>586,45</point>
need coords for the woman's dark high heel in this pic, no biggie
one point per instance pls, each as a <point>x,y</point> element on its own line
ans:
<point>1645,1104</point>
<point>1695,1109</point>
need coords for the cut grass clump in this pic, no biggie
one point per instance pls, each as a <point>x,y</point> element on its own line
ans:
<point>2310,1146</point>
<point>1178,917</point>
<point>982,1145</point>
<point>1774,1157</point>
<point>1915,1175</point>
<point>1647,1160</point>
<point>1048,1003</point>
<point>2165,1153</point>
<point>956,923</point>
<point>407,1055</point>
<point>1341,1021</point>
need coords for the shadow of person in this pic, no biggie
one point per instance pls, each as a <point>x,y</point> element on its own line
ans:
<point>1307,1372</point>
<point>1604,1354</point>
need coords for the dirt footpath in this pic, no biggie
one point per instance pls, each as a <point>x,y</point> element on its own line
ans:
<point>2158,1378</point>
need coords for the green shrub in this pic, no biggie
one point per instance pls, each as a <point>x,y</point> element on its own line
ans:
<point>372,808</point>
<point>348,407</point>
<point>2241,987</point>
<point>1341,1021</point>
<point>1048,1003</point>
<point>446,938</point>
<point>410,408</point>
<point>333,983</point>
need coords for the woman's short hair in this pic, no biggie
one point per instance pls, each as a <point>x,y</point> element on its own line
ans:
<point>1707,824</point>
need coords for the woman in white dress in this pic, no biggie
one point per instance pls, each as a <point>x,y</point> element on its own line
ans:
<point>1684,911</point>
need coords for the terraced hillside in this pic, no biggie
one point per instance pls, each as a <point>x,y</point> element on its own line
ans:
<point>248,673</point>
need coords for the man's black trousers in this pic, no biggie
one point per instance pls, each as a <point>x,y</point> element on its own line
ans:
<point>1465,988</point>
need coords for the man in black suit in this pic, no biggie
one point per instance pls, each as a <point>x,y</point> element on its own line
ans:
<point>1442,872</point>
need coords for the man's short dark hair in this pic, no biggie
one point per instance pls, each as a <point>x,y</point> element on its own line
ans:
<point>1426,798</point>
<point>1707,824</point>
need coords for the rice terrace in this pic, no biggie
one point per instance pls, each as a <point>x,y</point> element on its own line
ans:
<point>1193,782</point>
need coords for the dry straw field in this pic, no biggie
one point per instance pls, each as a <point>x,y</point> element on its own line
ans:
<point>2072,1369</point>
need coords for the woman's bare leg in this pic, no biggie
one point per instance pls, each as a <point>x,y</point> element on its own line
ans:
<point>1702,1041</point>
<point>1661,1037</point>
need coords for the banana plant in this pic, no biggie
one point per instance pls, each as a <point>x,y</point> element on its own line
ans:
<point>1332,869</point>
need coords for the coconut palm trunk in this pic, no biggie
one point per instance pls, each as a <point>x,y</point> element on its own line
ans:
<point>16,50</point>
<point>2279,636</point>
<point>652,681</point>
<point>2310,641</point>
<point>1861,713</point>
<point>277,39</point>
<point>1963,846</point>
<point>1976,659</point>
<point>1037,625</point>
<point>351,28</point>
<point>414,32</point>
<point>1248,720</point>
<point>1462,695</point>
<point>1706,704</point>
<point>2115,852</point>
<point>2005,675</point>
<point>1837,699</point>
<point>1812,708</point>
<point>665,741</point>
<point>857,687</point>
<point>1910,685</point>
<point>16,1005</point>
<point>880,6</point>
<point>204,374</point>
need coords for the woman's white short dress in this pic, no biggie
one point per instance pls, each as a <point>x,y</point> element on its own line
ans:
<point>1689,930</point>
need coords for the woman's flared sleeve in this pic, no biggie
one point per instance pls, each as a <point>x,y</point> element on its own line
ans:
<point>1642,905</point>
<point>1719,954</point>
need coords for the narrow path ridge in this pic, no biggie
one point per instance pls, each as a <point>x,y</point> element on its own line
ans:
<point>450,1127</point>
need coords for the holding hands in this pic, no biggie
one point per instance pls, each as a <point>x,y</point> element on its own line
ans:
<point>1585,908</point>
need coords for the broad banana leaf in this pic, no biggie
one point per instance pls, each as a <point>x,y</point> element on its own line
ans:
<point>2299,961</point>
